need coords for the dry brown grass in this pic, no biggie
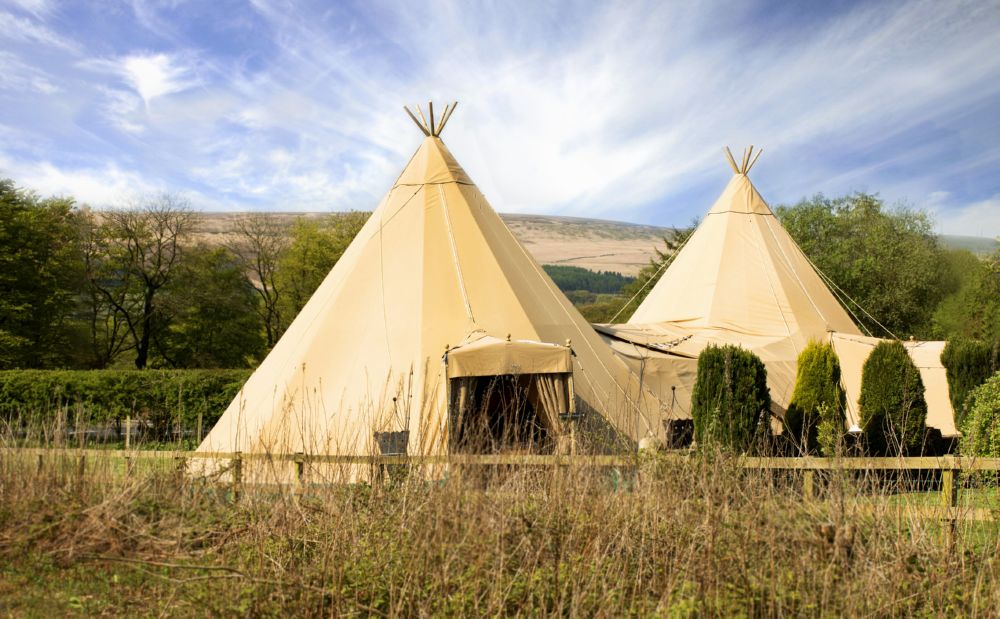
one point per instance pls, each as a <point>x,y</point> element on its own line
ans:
<point>699,537</point>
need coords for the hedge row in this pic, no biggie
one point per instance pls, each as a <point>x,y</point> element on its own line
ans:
<point>161,398</point>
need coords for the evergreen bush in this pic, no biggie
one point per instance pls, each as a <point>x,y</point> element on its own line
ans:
<point>968,363</point>
<point>815,418</point>
<point>981,426</point>
<point>892,406</point>
<point>731,401</point>
<point>160,398</point>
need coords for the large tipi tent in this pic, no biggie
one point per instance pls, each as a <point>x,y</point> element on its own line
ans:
<point>740,279</point>
<point>433,290</point>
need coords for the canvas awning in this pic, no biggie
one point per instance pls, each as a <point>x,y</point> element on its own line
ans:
<point>491,356</point>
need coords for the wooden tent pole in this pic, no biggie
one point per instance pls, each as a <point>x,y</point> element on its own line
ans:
<point>430,109</point>
<point>729,156</point>
<point>421,112</point>
<point>447,117</point>
<point>415,121</point>
<point>759,151</point>
<point>444,115</point>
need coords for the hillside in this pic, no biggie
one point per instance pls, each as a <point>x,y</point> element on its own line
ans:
<point>595,244</point>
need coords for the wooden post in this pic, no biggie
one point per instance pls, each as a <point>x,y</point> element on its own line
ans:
<point>949,491</point>
<point>300,471</point>
<point>237,475</point>
<point>949,497</point>
<point>180,464</point>
<point>82,467</point>
<point>199,427</point>
<point>808,484</point>
<point>40,463</point>
<point>128,432</point>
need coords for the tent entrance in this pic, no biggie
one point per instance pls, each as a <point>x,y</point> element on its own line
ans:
<point>492,414</point>
<point>508,396</point>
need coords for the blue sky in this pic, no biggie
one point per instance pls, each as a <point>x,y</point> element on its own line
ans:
<point>609,110</point>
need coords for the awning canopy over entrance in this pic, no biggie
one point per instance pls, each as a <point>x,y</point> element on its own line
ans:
<point>491,356</point>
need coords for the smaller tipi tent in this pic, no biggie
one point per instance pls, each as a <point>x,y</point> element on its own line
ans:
<point>433,292</point>
<point>741,279</point>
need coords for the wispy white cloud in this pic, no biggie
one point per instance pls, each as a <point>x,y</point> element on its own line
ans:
<point>610,111</point>
<point>19,76</point>
<point>980,218</point>
<point>98,186</point>
<point>28,30</point>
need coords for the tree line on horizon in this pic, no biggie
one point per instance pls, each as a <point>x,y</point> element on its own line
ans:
<point>135,287</point>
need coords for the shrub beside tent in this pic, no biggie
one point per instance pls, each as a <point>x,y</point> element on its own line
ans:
<point>815,418</point>
<point>969,364</point>
<point>731,402</point>
<point>981,426</point>
<point>892,405</point>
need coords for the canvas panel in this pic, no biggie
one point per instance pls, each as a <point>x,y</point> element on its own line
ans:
<point>490,356</point>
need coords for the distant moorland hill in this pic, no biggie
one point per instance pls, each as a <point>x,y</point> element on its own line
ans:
<point>595,244</point>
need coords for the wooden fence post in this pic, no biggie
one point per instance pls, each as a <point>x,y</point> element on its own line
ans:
<point>949,498</point>
<point>128,431</point>
<point>808,485</point>
<point>180,465</point>
<point>237,475</point>
<point>41,463</point>
<point>82,467</point>
<point>300,471</point>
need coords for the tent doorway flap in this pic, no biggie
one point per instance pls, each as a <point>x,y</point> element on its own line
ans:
<point>509,395</point>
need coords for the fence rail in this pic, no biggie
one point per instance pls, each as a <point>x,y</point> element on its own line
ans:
<point>808,466</point>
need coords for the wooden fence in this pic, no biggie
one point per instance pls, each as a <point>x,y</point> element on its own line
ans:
<point>947,466</point>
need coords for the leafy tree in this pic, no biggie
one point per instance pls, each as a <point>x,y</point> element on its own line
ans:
<point>973,309</point>
<point>40,280</point>
<point>109,289</point>
<point>968,364</point>
<point>259,243</point>
<point>141,246</point>
<point>887,260</point>
<point>893,409</point>
<point>211,312</point>
<point>981,426</point>
<point>815,416</point>
<point>730,403</point>
<point>573,278</point>
<point>314,248</point>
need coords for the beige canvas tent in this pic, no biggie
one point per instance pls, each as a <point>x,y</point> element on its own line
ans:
<point>740,279</point>
<point>433,299</point>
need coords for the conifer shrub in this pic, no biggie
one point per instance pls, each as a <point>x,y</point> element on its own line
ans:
<point>968,364</point>
<point>815,418</point>
<point>892,405</point>
<point>981,425</point>
<point>731,402</point>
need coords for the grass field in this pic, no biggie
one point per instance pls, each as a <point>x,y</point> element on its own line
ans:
<point>696,536</point>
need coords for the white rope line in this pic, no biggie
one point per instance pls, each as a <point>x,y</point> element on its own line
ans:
<point>454,255</point>
<point>774,294</point>
<point>788,264</point>
<point>859,306</point>
<point>654,277</point>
